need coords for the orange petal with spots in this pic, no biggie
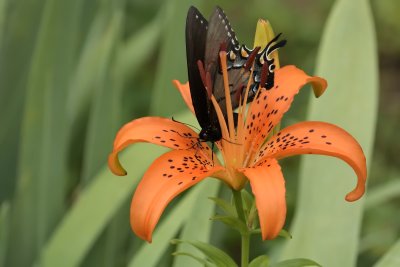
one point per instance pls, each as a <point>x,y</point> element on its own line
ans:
<point>319,138</point>
<point>168,176</point>
<point>159,131</point>
<point>184,89</point>
<point>268,186</point>
<point>267,110</point>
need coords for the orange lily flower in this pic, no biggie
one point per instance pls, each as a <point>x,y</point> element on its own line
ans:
<point>248,154</point>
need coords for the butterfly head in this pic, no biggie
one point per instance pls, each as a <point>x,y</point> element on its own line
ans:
<point>210,134</point>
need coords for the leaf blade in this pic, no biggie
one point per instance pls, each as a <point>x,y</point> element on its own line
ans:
<point>314,234</point>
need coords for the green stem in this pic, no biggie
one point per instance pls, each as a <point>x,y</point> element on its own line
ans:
<point>245,236</point>
<point>245,249</point>
<point>237,196</point>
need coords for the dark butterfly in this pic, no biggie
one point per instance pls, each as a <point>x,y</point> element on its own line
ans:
<point>204,40</point>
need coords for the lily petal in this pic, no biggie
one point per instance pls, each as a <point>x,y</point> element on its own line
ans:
<point>184,89</point>
<point>319,138</point>
<point>169,175</point>
<point>268,187</point>
<point>267,110</point>
<point>159,131</point>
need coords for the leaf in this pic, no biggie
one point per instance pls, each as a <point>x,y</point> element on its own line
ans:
<point>149,254</point>
<point>324,222</point>
<point>17,37</point>
<point>380,194</point>
<point>4,231</point>
<point>40,194</point>
<point>391,258</point>
<point>216,255</point>
<point>227,207</point>
<point>198,226</point>
<point>172,62</point>
<point>198,259</point>
<point>248,200</point>
<point>260,261</point>
<point>295,263</point>
<point>103,121</point>
<point>232,222</point>
<point>285,234</point>
<point>95,207</point>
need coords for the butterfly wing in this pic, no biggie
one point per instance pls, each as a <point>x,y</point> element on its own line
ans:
<point>220,35</point>
<point>196,33</point>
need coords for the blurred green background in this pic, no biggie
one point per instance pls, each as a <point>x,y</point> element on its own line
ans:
<point>73,72</point>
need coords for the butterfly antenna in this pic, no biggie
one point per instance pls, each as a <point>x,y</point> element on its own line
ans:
<point>187,124</point>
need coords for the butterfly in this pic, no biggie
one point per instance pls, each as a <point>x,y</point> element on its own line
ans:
<point>204,40</point>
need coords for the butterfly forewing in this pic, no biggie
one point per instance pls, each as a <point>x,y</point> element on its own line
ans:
<point>196,34</point>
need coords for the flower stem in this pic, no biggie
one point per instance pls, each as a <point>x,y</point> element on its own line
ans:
<point>245,236</point>
<point>245,249</point>
<point>237,196</point>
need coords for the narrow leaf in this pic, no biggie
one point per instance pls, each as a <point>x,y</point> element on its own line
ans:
<point>40,194</point>
<point>391,258</point>
<point>260,261</point>
<point>198,226</point>
<point>295,263</point>
<point>215,255</point>
<point>4,231</point>
<point>232,222</point>
<point>172,63</point>
<point>198,259</point>
<point>227,207</point>
<point>95,208</point>
<point>380,194</point>
<point>324,222</point>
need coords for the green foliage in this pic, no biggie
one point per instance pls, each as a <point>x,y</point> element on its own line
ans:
<point>260,261</point>
<point>72,72</point>
<point>296,263</point>
<point>350,102</point>
<point>217,256</point>
<point>391,258</point>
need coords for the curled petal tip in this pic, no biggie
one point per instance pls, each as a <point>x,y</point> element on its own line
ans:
<point>115,166</point>
<point>356,194</point>
<point>319,85</point>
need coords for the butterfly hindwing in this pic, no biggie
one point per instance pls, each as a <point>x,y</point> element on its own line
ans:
<point>221,36</point>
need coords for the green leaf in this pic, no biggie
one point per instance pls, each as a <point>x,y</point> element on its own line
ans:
<point>391,258</point>
<point>149,254</point>
<point>380,194</point>
<point>198,226</point>
<point>260,261</point>
<point>172,62</point>
<point>42,165</point>
<point>285,234</point>
<point>95,207</point>
<point>198,259</point>
<point>17,39</point>
<point>4,231</point>
<point>295,263</point>
<point>227,207</point>
<point>233,222</point>
<point>215,255</point>
<point>248,200</point>
<point>324,222</point>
